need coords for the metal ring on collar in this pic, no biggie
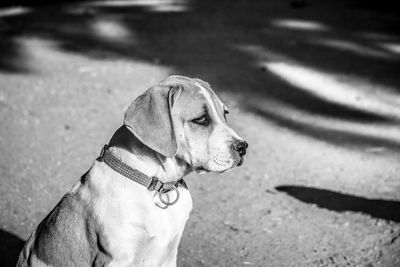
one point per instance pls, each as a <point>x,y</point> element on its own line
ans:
<point>164,191</point>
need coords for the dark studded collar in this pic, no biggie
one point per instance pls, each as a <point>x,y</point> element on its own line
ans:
<point>151,183</point>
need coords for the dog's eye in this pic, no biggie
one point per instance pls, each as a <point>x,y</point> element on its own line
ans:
<point>203,120</point>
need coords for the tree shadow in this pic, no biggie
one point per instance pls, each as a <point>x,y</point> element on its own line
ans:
<point>203,41</point>
<point>383,209</point>
<point>10,247</point>
<point>334,136</point>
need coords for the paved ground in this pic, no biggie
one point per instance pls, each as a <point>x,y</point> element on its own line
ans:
<point>312,85</point>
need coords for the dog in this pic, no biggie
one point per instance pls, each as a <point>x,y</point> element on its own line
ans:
<point>132,205</point>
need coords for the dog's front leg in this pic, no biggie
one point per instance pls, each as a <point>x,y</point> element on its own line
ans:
<point>171,259</point>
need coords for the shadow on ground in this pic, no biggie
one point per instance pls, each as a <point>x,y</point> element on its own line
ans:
<point>10,247</point>
<point>383,209</point>
<point>219,42</point>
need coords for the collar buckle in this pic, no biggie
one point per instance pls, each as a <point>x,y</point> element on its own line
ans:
<point>155,184</point>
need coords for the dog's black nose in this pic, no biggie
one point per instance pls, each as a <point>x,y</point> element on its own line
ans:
<point>240,147</point>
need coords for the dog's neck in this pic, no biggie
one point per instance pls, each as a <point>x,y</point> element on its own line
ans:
<point>127,148</point>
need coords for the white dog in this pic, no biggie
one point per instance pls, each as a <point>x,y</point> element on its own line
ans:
<point>131,207</point>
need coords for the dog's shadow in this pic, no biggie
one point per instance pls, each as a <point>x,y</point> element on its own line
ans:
<point>383,209</point>
<point>10,247</point>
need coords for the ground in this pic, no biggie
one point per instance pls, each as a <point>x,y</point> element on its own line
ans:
<point>313,86</point>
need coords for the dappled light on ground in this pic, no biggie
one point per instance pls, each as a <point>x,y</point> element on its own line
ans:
<point>302,25</point>
<point>14,11</point>
<point>391,47</point>
<point>349,133</point>
<point>151,5</point>
<point>111,29</point>
<point>348,46</point>
<point>341,89</point>
<point>351,110</point>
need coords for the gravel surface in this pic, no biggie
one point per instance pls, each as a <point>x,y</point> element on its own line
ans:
<point>312,86</point>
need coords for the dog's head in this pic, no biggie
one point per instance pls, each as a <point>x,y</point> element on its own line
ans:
<point>183,117</point>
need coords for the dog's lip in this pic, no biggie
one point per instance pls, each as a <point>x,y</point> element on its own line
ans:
<point>240,161</point>
<point>199,169</point>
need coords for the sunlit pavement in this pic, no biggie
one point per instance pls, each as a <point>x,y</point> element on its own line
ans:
<point>313,87</point>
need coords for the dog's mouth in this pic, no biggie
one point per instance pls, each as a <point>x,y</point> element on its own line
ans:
<point>201,170</point>
<point>241,161</point>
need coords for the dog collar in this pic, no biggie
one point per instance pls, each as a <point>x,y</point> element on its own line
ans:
<point>151,183</point>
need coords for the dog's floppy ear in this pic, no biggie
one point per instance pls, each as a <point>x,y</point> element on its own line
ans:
<point>149,118</point>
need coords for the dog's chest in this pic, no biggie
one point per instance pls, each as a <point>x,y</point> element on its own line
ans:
<point>165,222</point>
<point>145,235</point>
<point>164,229</point>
